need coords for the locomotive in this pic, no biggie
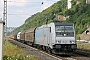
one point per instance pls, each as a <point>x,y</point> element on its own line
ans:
<point>55,37</point>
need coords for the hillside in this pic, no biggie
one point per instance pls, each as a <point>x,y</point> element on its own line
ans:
<point>79,14</point>
<point>9,29</point>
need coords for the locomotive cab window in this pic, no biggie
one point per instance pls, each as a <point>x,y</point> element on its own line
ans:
<point>69,29</point>
<point>59,28</point>
<point>64,30</point>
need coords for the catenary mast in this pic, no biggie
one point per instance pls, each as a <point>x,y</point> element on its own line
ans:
<point>5,17</point>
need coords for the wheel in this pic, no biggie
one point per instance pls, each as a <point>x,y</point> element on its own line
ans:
<point>22,41</point>
<point>44,48</point>
<point>49,50</point>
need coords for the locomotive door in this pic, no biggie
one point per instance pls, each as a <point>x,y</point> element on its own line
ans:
<point>46,38</point>
<point>49,34</point>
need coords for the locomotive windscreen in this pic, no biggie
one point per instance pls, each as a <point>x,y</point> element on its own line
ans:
<point>64,30</point>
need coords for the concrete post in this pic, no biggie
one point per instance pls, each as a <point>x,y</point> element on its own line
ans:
<point>1,38</point>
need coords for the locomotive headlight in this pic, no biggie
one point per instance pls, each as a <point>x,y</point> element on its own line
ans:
<point>72,41</point>
<point>57,41</point>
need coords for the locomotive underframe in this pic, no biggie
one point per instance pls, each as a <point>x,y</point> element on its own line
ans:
<point>64,48</point>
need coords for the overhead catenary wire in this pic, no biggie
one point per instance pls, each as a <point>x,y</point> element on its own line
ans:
<point>30,2</point>
<point>25,2</point>
<point>22,2</point>
<point>19,14</point>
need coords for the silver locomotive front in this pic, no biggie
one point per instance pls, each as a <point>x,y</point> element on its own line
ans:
<point>64,38</point>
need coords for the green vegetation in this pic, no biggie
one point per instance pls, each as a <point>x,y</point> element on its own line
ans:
<point>13,52</point>
<point>79,14</point>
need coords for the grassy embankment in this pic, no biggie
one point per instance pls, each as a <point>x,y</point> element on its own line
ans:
<point>13,52</point>
<point>84,46</point>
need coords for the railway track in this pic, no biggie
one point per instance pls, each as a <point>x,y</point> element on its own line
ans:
<point>43,54</point>
<point>83,52</point>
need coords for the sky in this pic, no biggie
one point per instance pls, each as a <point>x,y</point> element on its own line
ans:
<point>19,10</point>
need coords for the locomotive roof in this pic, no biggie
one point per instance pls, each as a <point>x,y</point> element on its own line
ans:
<point>60,23</point>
